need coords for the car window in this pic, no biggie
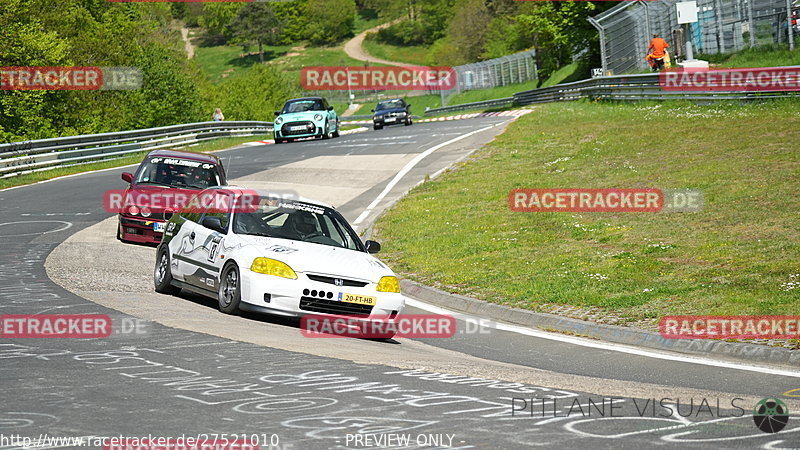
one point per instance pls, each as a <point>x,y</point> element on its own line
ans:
<point>191,212</point>
<point>217,209</point>
<point>296,221</point>
<point>302,106</point>
<point>391,104</point>
<point>177,172</point>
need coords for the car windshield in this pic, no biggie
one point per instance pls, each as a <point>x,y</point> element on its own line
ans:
<point>177,172</point>
<point>296,221</point>
<point>390,104</point>
<point>297,106</point>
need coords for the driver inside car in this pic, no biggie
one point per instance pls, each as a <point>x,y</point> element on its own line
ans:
<point>302,224</point>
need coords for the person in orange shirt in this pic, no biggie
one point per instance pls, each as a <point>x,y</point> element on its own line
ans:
<point>656,52</point>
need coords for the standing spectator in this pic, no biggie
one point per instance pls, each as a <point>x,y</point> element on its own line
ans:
<point>218,117</point>
<point>656,52</point>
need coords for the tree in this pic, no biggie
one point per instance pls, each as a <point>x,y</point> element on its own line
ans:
<point>257,22</point>
<point>330,21</point>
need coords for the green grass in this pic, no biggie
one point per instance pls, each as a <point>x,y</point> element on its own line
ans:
<point>733,257</point>
<point>203,147</point>
<point>223,61</point>
<point>416,55</point>
<point>565,74</point>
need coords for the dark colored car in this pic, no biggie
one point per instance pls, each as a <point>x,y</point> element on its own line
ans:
<point>304,118</point>
<point>164,181</point>
<point>391,112</point>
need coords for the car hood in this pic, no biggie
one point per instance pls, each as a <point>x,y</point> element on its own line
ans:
<point>300,116</point>
<point>321,259</point>
<point>388,111</point>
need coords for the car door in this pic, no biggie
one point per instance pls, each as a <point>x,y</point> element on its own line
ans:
<point>179,230</point>
<point>205,244</point>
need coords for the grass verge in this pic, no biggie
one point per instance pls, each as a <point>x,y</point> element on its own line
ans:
<point>203,147</point>
<point>737,256</point>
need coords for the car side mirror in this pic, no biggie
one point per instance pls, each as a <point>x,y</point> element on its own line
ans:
<point>277,113</point>
<point>330,108</point>
<point>127,177</point>
<point>372,110</point>
<point>372,246</point>
<point>408,105</point>
<point>213,223</point>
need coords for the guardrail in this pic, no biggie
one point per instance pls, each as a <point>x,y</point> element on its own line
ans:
<point>499,102</point>
<point>44,154</point>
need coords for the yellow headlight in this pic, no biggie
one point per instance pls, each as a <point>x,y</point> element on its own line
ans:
<point>389,284</point>
<point>273,267</point>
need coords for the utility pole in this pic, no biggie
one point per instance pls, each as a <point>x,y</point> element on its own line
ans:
<point>789,24</point>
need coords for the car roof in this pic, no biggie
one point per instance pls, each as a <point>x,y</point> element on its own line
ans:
<point>390,100</point>
<point>304,98</point>
<point>239,190</point>
<point>202,157</point>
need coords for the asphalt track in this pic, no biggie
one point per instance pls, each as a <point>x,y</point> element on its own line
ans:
<point>192,371</point>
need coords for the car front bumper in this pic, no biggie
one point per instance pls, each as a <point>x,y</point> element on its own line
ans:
<point>140,230</point>
<point>295,298</point>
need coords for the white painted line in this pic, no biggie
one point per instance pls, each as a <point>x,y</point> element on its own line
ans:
<point>610,346</point>
<point>407,168</point>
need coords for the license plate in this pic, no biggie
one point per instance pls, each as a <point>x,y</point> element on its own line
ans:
<point>390,119</point>
<point>159,227</point>
<point>300,128</point>
<point>360,299</point>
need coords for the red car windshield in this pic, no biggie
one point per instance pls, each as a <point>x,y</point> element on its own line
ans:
<point>176,172</point>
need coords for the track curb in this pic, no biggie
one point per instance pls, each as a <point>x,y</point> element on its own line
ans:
<point>736,351</point>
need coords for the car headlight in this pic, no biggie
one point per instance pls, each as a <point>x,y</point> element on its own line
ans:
<point>146,211</point>
<point>388,284</point>
<point>402,114</point>
<point>279,121</point>
<point>317,117</point>
<point>274,267</point>
<point>133,210</point>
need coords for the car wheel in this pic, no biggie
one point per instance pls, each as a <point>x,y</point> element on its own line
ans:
<point>377,127</point>
<point>408,122</point>
<point>279,141</point>
<point>162,274</point>
<point>326,134</point>
<point>336,133</point>
<point>229,294</point>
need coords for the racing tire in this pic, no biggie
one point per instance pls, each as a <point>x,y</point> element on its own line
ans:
<point>162,274</point>
<point>326,133</point>
<point>377,127</point>
<point>279,141</point>
<point>336,133</point>
<point>409,122</point>
<point>229,294</point>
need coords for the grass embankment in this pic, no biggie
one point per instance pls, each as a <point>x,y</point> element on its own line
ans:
<point>773,55</point>
<point>410,54</point>
<point>135,158</point>
<point>737,256</point>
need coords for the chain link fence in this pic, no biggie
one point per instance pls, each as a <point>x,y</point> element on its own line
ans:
<point>723,26</point>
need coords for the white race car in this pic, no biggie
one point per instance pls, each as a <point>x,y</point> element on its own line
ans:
<point>259,252</point>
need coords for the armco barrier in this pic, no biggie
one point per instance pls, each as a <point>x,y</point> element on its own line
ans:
<point>46,154</point>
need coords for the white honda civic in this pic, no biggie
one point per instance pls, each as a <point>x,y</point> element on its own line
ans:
<point>259,252</point>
